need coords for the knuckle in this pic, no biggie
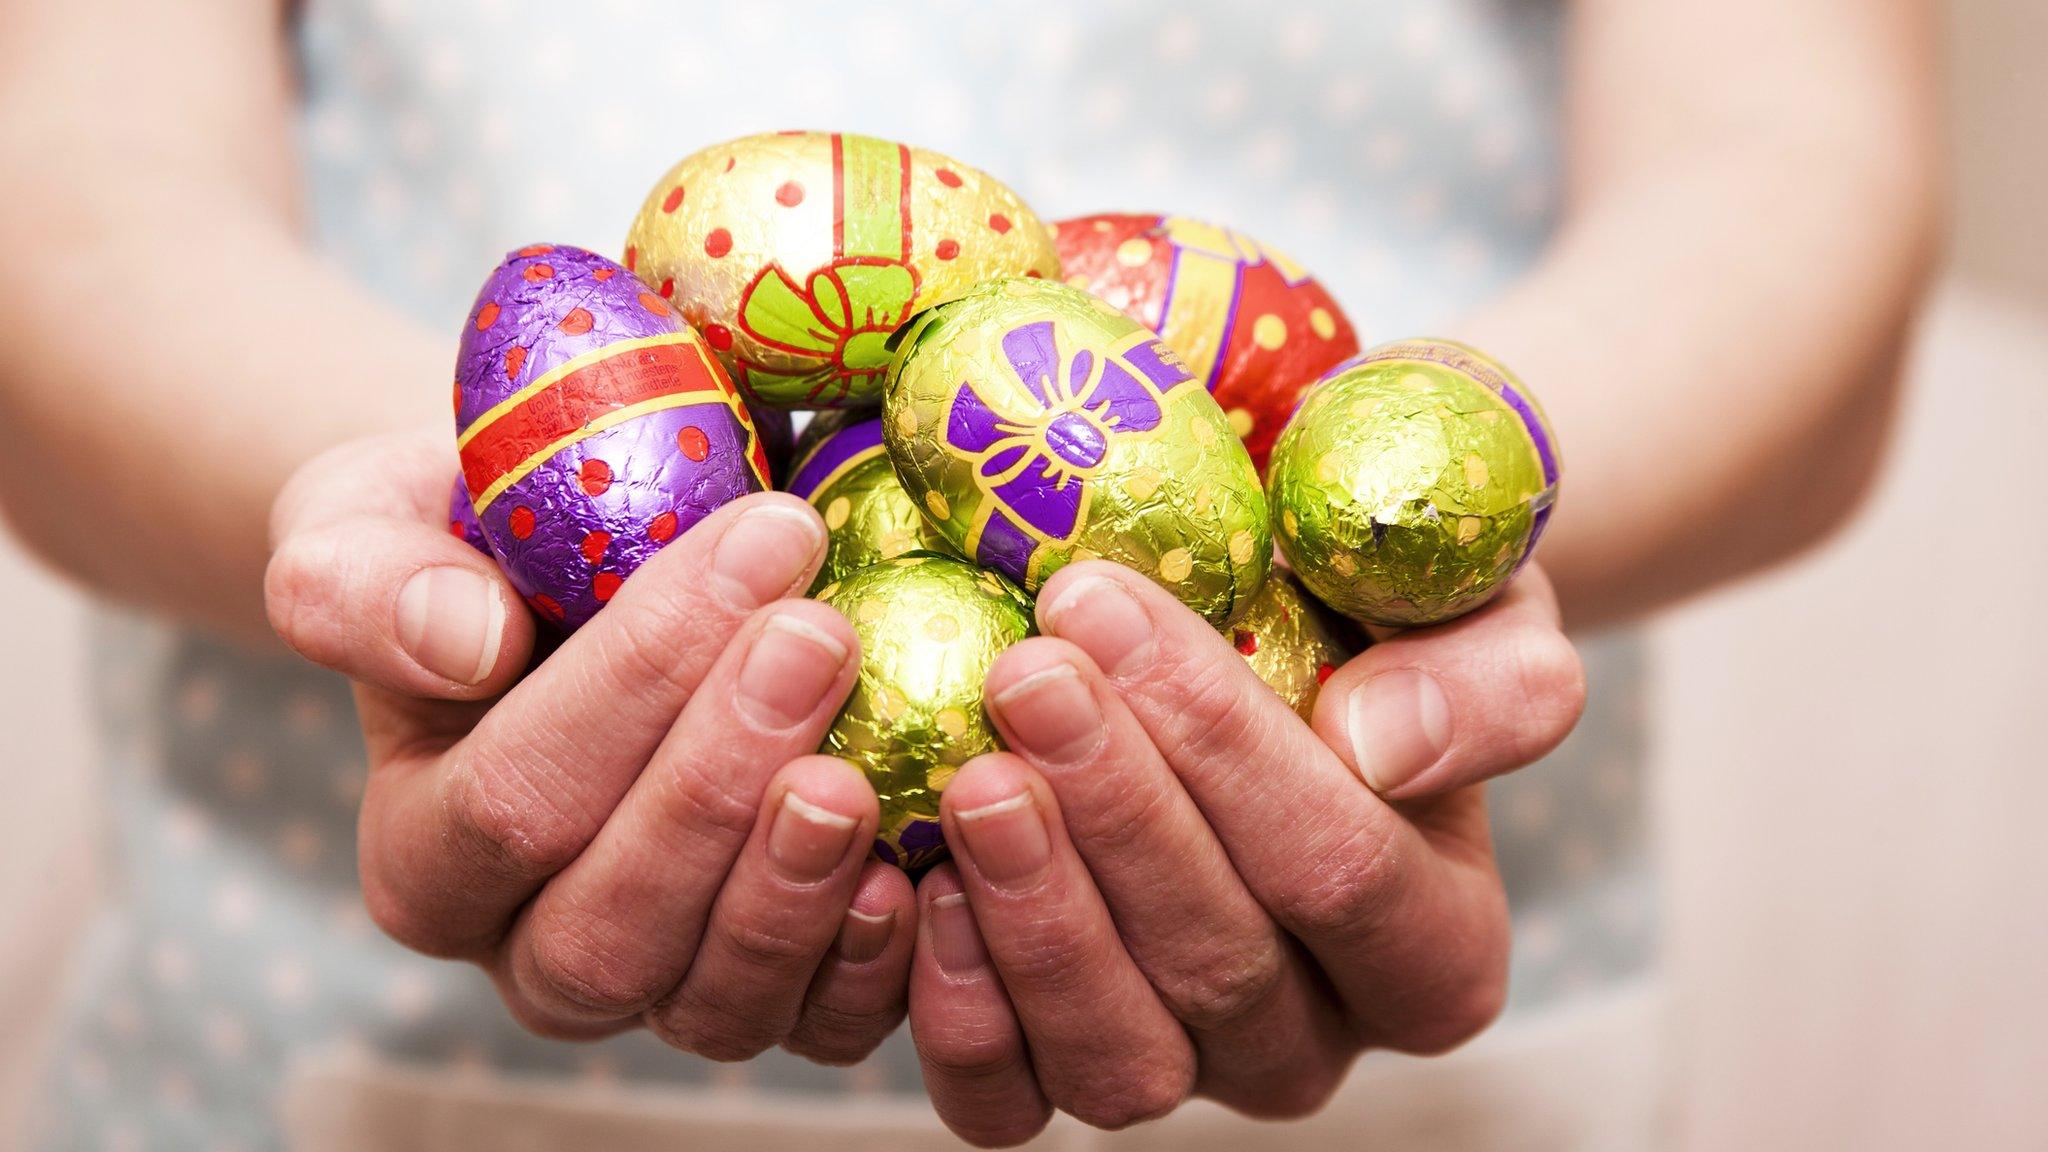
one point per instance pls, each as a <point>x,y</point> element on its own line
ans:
<point>575,968</point>
<point>1346,892</point>
<point>1455,1015</point>
<point>1046,960</point>
<point>520,837</point>
<point>1552,681</point>
<point>715,1032</point>
<point>963,1056</point>
<point>706,802</point>
<point>1210,694</point>
<point>1134,1097</point>
<point>836,1036</point>
<point>1227,988</point>
<point>403,920</point>
<point>646,659</point>
<point>761,941</point>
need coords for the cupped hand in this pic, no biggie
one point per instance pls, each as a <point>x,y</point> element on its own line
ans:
<point>633,832</point>
<point>1172,885</point>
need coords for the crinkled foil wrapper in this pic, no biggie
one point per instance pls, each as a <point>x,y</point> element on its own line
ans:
<point>1412,483</point>
<point>1251,323</point>
<point>929,627</point>
<point>799,253</point>
<point>462,521</point>
<point>1036,425</point>
<point>848,478</point>
<point>593,427</point>
<point>1292,642</point>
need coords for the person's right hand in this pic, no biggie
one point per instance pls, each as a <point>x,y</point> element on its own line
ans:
<point>635,832</point>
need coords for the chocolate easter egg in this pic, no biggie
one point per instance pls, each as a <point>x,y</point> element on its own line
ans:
<point>594,426</point>
<point>1036,425</point>
<point>1292,642</point>
<point>847,476</point>
<point>799,253</point>
<point>1250,323</point>
<point>930,627</point>
<point>1412,483</point>
<point>462,521</point>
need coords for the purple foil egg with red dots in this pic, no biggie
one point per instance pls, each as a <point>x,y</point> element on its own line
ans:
<point>593,424</point>
<point>462,521</point>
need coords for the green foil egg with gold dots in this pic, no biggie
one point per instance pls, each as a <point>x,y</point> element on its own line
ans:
<point>1412,483</point>
<point>929,626</point>
<point>1036,425</point>
<point>847,477</point>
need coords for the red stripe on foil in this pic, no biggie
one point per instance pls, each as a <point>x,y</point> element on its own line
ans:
<point>631,377</point>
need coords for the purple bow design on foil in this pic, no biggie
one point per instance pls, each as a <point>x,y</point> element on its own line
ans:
<point>1037,466</point>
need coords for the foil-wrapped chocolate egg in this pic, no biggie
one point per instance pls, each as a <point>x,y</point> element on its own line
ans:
<point>462,521</point>
<point>1250,323</point>
<point>799,253</point>
<point>1412,483</point>
<point>1292,642</point>
<point>929,626</point>
<point>847,476</point>
<point>594,426</point>
<point>1036,425</point>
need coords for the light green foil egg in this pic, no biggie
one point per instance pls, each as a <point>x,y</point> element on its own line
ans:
<point>929,626</point>
<point>847,477</point>
<point>1035,425</point>
<point>1412,483</point>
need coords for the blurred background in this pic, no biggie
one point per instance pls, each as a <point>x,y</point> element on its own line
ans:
<point>1851,757</point>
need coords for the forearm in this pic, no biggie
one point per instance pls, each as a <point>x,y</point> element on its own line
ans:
<point>182,353</point>
<point>1717,331</point>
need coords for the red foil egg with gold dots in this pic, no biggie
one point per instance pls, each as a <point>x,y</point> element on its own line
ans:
<point>1251,323</point>
<point>799,254</point>
<point>594,426</point>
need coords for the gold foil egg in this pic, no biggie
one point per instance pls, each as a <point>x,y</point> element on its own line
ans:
<point>1036,425</point>
<point>799,253</point>
<point>929,626</point>
<point>847,477</point>
<point>1292,642</point>
<point>1412,483</point>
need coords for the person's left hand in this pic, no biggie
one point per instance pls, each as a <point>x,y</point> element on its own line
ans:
<point>1173,886</point>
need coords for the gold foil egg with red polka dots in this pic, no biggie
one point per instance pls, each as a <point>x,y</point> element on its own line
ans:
<point>798,254</point>
<point>1292,642</point>
<point>1251,323</point>
<point>593,427</point>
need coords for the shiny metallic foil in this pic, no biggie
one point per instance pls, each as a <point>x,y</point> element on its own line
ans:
<point>799,253</point>
<point>848,478</point>
<point>1292,642</point>
<point>462,521</point>
<point>1412,483</point>
<point>1252,324</point>
<point>1036,425</point>
<point>593,427</point>
<point>929,627</point>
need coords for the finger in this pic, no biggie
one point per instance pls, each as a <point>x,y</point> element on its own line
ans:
<point>452,845</point>
<point>777,914</point>
<point>1433,710</point>
<point>619,927</point>
<point>857,998</point>
<point>1407,935</point>
<point>1102,1045</point>
<point>402,606</point>
<point>1269,1040</point>
<point>969,1043</point>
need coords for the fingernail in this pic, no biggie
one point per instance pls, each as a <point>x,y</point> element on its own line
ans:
<point>451,620</point>
<point>1007,839</point>
<point>1400,725</point>
<point>1052,714</point>
<point>1096,613</point>
<point>808,842</point>
<point>762,556</point>
<point>788,670</point>
<point>956,942</point>
<point>862,937</point>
